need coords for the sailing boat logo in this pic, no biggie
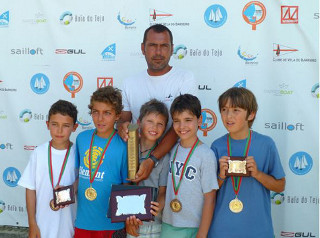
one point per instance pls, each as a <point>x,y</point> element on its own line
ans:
<point>155,15</point>
<point>39,83</point>
<point>11,176</point>
<point>300,163</point>
<point>215,16</point>
<point>280,50</point>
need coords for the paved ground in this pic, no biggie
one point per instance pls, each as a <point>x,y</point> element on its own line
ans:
<point>13,232</point>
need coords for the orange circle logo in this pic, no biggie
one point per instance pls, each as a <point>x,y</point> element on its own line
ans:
<point>254,13</point>
<point>73,83</point>
<point>209,121</point>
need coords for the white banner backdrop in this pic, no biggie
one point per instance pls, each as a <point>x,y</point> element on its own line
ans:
<point>54,50</point>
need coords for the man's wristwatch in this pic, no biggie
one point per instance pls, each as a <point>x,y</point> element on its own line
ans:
<point>154,159</point>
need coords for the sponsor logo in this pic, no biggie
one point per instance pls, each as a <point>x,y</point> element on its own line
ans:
<point>104,82</point>
<point>39,83</point>
<point>2,206</point>
<point>300,163</point>
<point>2,89</point>
<point>209,121</point>
<point>204,87</point>
<point>254,13</point>
<point>6,146</point>
<point>247,57</point>
<point>4,19</point>
<point>180,51</point>
<point>70,51</point>
<point>37,19</point>
<point>277,198</point>
<point>296,234</point>
<point>283,90</point>
<point>241,84</point>
<point>314,91</point>
<point>85,122</point>
<point>286,126</point>
<point>27,51</point>
<point>205,52</point>
<point>127,22</point>
<point>109,53</point>
<point>66,18</point>
<point>11,176</point>
<point>3,115</point>
<point>73,83</point>
<point>96,154</point>
<point>289,14</point>
<point>281,50</point>
<point>29,147</point>
<point>215,16</point>
<point>25,115</point>
<point>307,199</point>
<point>159,17</point>
<point>316,15</point>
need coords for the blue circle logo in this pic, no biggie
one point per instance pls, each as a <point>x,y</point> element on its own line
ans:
<point>300,163</point>
<point>180,51</point>
<point>66,18</point>
<point>277,198</point>
<point>215,16</point>
<point>25,115</point>
<point>11,176</point>
<point>39,83</point>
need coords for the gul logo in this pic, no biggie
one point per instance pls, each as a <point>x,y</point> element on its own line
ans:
<point>29,147</point>
<point>300,163</point>
<point>11,176</point>
<point>104,82</point>
<point>247,57</point>
<point>39,83</point>
<point>156,15</point>
<point>66,18</point>
<point>27,51</point>
<point>277,198</point>
<point>4,19</point>
<point>254,13</point>
<point>296,234</point>
<point>6,146</point>
<point>280,50</point>
<point>314,91</point>
<point>70,51</point>
<point>241,84</point>
<point>204,87</point>
<point>209,121</point>
<point>180,51</point>
<point>215,16</point>
<point>25,115</point>
<point>284,126</point>
<point>73,83</point>
<point>125,21</point>
<point>109,53</point>
<point>2,206</point>
<point>289,14</point>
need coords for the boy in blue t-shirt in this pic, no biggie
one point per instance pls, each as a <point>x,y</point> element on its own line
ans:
<point>102,158</point>
<point>243,208</point>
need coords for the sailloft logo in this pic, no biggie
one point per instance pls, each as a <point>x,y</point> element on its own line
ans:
<point>300,163</point>
<point>215,16</point>
<point>39,83</point>
<point>11,176</point>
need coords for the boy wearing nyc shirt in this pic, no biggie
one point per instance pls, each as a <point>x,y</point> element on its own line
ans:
<point>243,208</point>
<point>102,158</point>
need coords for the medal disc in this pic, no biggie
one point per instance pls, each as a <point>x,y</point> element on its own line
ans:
<point>91,194</point>
<point>51,205</point>
<point>236,205</point>
<point>175,205</point>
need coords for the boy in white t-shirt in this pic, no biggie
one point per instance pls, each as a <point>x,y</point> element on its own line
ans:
<point>51,165</point>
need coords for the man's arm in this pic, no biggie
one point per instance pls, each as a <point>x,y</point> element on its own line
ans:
<point>34,231</point>
<point>207,213</point>
<point>268,181</point>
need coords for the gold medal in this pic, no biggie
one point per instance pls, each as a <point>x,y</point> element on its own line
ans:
<point>175,205</point>
<point>90,193</point>
<point>51,205</point>
<point>235,205</point>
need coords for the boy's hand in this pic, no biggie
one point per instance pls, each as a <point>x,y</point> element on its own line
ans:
<point>155,208</point>
<point>252,166</point>
<point>34,231</point>
<point>132,225</point>
<point>123,130</point>
<point>223,165</point>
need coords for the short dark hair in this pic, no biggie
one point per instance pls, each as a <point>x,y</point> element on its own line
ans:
<point>64,108</point>
<point>154,106</point>
<point>240,97</point>
<point>109,95</point>
<point>158,28</point>
<point>186,102</point>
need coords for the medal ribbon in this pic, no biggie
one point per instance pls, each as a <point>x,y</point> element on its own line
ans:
<point>176,188</point>
<point>150,151</point>
<point>100,159</point>
<point>236,181</point>
<point>62,167</point>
